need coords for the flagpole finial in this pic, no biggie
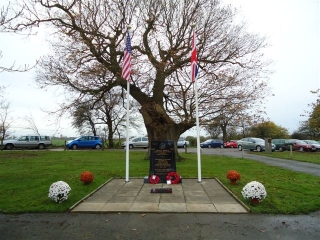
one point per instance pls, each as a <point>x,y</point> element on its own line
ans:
<point>128,27</point>
<point>193,25</point>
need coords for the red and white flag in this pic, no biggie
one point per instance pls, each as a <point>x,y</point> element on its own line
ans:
<point>126,68</point>
<point>194,60</point>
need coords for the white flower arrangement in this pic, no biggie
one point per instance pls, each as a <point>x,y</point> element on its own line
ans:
<point>253,190</point>
<point>59,191</point>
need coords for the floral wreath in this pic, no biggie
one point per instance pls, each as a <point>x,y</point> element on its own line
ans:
<point>174,177</point>
<point>154,179</point>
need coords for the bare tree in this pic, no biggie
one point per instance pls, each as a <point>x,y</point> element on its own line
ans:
<point>92,34</point>
<point>5,19</point>
<point>31,124</point>
<point>5,120</point>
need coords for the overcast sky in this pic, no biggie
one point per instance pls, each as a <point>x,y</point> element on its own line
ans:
<point>291,25</point>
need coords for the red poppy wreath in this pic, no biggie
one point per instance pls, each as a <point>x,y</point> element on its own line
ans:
<point>154,179</point>
<point>173,177</point>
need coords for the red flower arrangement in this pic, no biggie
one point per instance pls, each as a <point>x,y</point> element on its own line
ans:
<point>173,177</point>
<point>154,179</point>
<point>234,176</point>
<point>86,177</point>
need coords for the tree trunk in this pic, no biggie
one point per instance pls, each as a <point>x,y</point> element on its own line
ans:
<point>160,126</point>
<point>224,132</point>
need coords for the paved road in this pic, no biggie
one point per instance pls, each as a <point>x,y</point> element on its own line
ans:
<point>313,169</point>
<point>159,226</point>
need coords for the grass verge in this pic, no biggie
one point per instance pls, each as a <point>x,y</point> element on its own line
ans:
<point>25,178</point>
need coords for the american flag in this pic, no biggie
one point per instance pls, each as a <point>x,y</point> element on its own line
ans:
<point>126,68</point>
<point>194,60</point>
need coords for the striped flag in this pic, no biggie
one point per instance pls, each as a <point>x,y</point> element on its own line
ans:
<point>126,68</point>
<point>194,60</point>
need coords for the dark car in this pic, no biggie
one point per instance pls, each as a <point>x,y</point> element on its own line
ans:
<point>85,142</point>
<point>313,143</point>
<point>282,144</point>
<point>300,145</point>
<point>212,143</point>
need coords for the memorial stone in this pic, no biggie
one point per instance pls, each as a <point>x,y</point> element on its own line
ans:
<point>162,159</point>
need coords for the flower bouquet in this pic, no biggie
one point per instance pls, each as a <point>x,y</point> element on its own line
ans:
<point>86,177</point>
<point>234,176</point>
<point>254,191</point>
<point>59,191</point>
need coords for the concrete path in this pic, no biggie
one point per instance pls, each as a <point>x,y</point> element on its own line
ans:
<point>135,196</point>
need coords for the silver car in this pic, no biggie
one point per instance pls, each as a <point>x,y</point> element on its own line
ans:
<point>138,142</point>
<point>182,143</point>
<point>253,144</point>
<point>33,141</point>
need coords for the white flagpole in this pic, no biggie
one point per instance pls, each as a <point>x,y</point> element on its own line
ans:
<point>127,127</point>
<point>127,133</point>
<point>198,132</point>
<point>197,116</point>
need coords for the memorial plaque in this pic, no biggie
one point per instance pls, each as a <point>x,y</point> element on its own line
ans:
<point>162,159</point>
<point>161,190</point>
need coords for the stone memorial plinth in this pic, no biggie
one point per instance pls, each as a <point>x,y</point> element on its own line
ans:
<point>162,160</point>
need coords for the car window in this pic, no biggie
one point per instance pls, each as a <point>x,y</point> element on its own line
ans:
<point>144,139</point>
<point>136,140</point>
<point>32,138</point>
<point>24,138</point>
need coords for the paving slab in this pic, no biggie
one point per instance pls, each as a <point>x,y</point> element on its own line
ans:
<point>209,196</point>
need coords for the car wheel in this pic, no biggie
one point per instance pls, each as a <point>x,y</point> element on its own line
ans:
<point>74,147</point>
<point>301,149</point>
<point>259,149</point>
<point>9,147</point>
<point>130,146</point>
<point>98,146</point>
<point>41,146</point>
<point>240,148</point>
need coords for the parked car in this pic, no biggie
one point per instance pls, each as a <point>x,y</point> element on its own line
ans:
<point>313,143</point>
<point>303,146</point>
<point>212,143</point>
<point>138,142</point>
<point>282,144</point>
<point>85,142</point>
<point>182,143</point>
<point>29,141</point>
<point>231,144</point>
<point>253,144</point>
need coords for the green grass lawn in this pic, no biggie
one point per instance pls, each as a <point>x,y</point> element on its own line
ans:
<point>25,178</point>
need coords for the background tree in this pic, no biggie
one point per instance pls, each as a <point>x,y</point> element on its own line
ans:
<point>233,69</point>
<point>269,130</point>
<point>31,124</point>
<point>5,120</point>
<point>311,127</point>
